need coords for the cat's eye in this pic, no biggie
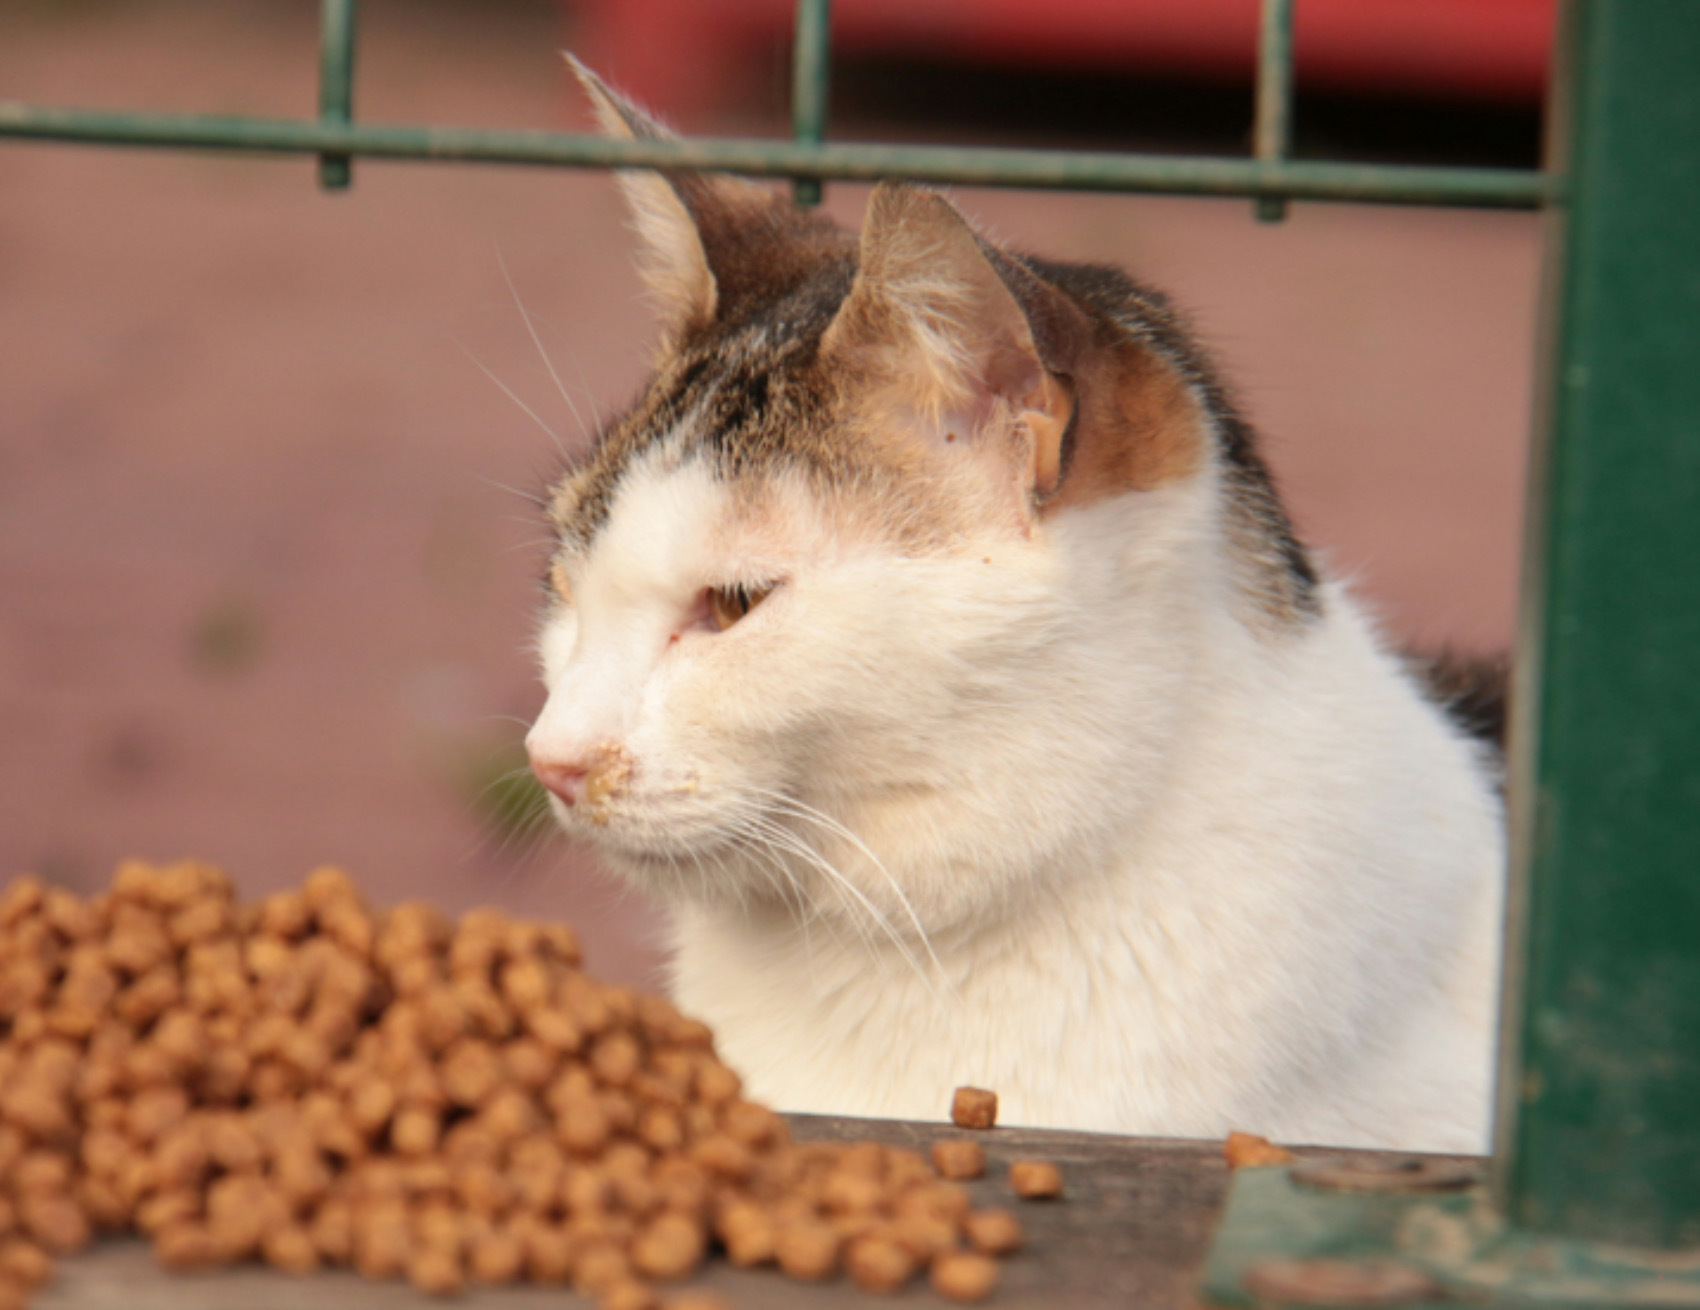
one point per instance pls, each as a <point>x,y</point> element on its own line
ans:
<point>726,605</point>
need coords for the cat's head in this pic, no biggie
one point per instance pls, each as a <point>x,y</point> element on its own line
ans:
<point>884,590</point>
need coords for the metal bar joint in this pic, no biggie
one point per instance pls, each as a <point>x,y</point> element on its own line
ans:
<point>336,87</point>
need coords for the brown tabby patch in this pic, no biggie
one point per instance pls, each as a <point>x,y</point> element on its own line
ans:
<point>750,392</point>
<point>1473,690</point>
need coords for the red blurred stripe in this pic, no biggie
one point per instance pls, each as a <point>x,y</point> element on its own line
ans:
<point>677,55</point>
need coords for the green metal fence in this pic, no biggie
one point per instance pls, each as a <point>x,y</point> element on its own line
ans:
<point>337,138</point>
<point>1595,1194</point>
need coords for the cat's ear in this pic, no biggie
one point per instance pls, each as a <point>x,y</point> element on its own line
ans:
<point>936,310</point>
<point>961,328</point>
<point>697,228</point>
<point>675,264</point>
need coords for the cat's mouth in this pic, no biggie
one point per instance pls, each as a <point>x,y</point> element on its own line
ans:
<point>673,832</point>
<point>681,840</point>
<point>653,832</point>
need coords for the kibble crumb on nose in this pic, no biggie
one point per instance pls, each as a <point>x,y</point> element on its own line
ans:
<point>610,774</point>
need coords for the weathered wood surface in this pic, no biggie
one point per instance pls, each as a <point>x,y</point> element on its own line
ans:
<point>1131,1232</point>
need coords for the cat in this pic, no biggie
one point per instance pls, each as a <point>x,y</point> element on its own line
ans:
<point>929,636</point>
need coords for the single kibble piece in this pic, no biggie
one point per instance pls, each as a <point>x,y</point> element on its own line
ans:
<point>600,1266</point>
<point>946,1200</point>
<point>993,1232</point>
<point>548,1255</point>
<point>716,1084</point>
<point>1249,1151</point>
<point>415,1131</point>
<point>974,1107</point>
<point>497,1258</point>
<point>748,1234</point>
<point>924,1233</point>
<point>878,1264</point>
<point>807,1250</point>
<point>628,1295</point>
<point>25,1263</point>
<point>163,1209</point>
<point>958,1160</point>
<point>751,1124</point>
<point>1035,1180</point>
<point>436,1271</point>
<point>290,1249</point>
<point>848,1193</point>
<point>333,1232</point>
<point>964,1276</point>
<point>669,1248</point>
<point>381,1245</point>
<point>696,1300</point>
<point>55,1222</point>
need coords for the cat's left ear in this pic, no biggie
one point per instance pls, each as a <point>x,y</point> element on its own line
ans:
<point>961,326</point>
<point>712,242</point>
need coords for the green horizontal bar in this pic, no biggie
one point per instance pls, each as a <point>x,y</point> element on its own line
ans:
<point>1076,171</point>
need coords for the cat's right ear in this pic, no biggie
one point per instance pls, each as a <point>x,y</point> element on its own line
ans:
<point>933,309</point>
<point>692,225</point>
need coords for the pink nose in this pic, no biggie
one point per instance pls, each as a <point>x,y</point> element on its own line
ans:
<point>593,779</point>
<point>566,780</point>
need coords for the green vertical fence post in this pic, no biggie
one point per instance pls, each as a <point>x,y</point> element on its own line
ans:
<point>1599,1116</point>
<point>810,65</point>
<point>1595,1190</point>
<point>336,85</point>
<point>1272,134</point>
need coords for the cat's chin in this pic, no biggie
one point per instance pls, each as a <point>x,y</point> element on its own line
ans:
<point>705,874</point>
<point>670,870</point>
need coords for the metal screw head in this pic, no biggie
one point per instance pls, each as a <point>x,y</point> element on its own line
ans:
<point>1338,1282</point>
<point>1411,1174</point>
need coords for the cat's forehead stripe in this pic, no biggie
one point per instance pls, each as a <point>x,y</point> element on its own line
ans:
<point>751,399</point>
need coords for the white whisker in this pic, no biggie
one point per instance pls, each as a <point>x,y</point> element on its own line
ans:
<point>802,810</point>
<point>786,839</point>
<point>560,446</point>
<point>750,835</point>
<point>537,341</point>
<point>529,497</point>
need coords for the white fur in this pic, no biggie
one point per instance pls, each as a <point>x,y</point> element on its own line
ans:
<point>1177,873</point>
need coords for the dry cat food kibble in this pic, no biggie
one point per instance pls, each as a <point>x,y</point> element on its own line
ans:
<point>312,1084</point>
<point>974,1107</point>
<point>993,1232</point>
<point>963,1276</point>
<point>958,1160</point>
<point>1035,1180</point>
<point>1249,1151</point>
<point>879,1264</point>
<point>698,1300</point>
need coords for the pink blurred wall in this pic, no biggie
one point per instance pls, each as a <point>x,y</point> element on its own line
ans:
<point>266,588</point>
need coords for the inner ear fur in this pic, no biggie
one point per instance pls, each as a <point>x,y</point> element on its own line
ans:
<point>961,325</point>
<point>931,313</point>
<point>715,246</point>
<point>1139,426</point>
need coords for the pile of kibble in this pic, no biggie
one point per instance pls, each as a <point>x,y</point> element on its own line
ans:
<point>310,1083</point>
